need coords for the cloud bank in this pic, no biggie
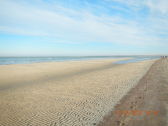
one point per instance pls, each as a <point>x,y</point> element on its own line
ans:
<point>131,22</point>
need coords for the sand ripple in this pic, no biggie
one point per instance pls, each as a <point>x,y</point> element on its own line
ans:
<point>81,100</point>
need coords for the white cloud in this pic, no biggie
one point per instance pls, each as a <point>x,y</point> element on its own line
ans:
<point>73,26</point>
<point>158,6</point>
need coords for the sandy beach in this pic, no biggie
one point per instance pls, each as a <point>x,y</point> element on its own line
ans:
<point>146,104</point>
<point>72,93</point>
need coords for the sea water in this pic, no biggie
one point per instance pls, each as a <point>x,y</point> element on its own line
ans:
<point>28,60</point>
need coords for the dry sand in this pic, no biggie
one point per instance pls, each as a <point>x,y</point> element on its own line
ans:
<point>76,93</point>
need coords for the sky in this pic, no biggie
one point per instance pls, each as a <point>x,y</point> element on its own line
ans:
<point>83,27</point>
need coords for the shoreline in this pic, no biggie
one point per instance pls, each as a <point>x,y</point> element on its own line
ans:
<point>33,60</point>
<point>44,62</point>
<point>146,104</point>
<point>104,64</point>
<point>47,70</point>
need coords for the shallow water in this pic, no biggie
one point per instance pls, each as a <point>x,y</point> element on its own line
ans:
<point>28,60</point>
<point>136,59</point>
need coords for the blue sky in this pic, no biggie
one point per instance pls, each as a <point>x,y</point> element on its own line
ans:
<point>83,27</point>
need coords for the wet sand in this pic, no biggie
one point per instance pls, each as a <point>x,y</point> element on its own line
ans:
<point>146,104</point>
<point>75,93</point>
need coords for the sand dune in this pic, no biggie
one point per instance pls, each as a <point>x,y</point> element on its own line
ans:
<point>77,93</point>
